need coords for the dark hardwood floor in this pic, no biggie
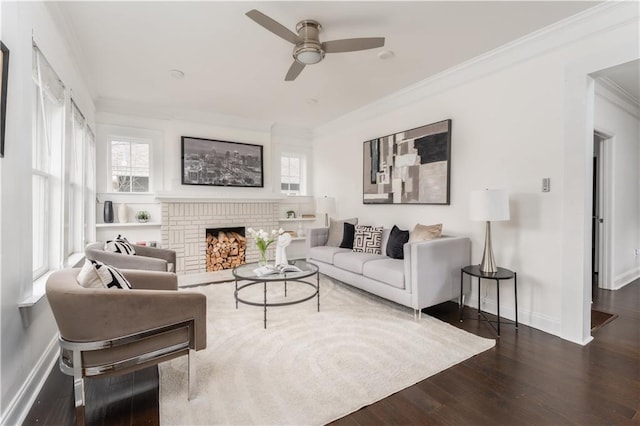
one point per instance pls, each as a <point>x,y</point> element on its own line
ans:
<point>529,377</point>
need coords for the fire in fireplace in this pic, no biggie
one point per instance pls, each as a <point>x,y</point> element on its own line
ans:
<point>225,248</point>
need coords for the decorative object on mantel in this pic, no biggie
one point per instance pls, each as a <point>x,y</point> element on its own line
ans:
<point>291,214</point>
<point>107,214</point>
<point>489,205</point>
<point>410,167</point>
<point>4,80</point>
<point>263,240</point>
<point>122,213</point>
<point>326,206</point>
<point>281,254</point>
<point>220,163</point>
<point>143,216</point>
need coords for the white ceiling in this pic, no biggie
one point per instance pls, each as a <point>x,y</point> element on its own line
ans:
<point>235,67</point>
<point>626,76</point>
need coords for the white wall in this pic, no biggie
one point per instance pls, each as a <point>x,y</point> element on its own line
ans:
<point>620,120</point>
<point>24,348</point>
<point>510,111</point>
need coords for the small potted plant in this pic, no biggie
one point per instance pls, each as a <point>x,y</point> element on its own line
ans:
<point>143,216</point>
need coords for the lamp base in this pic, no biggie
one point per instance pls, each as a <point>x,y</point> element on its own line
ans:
<point>488,263</point>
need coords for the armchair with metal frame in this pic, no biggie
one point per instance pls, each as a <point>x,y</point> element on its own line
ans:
<point>110,332</point>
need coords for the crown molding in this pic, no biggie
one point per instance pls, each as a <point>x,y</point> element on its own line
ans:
<point>117,106</point>
<point>598,19</point>
<point>611,91</point>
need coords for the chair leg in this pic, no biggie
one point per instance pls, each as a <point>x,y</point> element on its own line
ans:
<point>191,360</point>
<point>78,388</point>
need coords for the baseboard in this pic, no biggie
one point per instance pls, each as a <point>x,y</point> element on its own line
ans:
<point>532,319</point>
<point>626,278</point>
<point>20,405</point>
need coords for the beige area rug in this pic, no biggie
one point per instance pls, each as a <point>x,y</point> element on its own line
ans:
<point>307,367</point>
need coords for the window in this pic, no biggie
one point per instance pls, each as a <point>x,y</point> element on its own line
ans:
<point>89,184</point>
<point>292,174</point>
<point>129,165</point>
<point>47,143</point>
<point>75,184</point>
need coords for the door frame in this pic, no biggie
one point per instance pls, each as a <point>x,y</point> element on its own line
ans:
<point>605,208</point>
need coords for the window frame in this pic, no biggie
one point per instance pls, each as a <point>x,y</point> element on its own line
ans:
<point>302,158</point>
<point>109,171</point>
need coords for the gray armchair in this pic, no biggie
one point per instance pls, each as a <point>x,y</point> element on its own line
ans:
<point>108,332</point>
<point>146,258</point>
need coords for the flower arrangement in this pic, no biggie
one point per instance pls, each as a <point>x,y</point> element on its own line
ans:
<point>263,240</point>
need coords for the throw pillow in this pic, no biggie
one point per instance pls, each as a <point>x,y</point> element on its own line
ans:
<point>349,235</point>
<point>368,239</point>
<point>336,230</point>
<point>397,240</point>
<point>95,274</point>
<point>119,245</point>
<point>425,233</point>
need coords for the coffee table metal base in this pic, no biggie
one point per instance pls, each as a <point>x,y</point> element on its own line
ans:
<point>265,304</point>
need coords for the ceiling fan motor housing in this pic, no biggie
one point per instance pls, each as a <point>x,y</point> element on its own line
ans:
<point>309,50</point>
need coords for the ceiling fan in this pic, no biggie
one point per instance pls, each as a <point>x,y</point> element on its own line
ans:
<point>308,50</point>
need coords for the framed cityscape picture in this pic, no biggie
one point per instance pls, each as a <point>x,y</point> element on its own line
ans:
<point>221,163</point>
<point>410,167</point>
<point>4,80</point>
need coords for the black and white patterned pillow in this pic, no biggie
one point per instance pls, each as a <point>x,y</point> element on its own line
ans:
<point>95,274</point>
<point>119,245</point>
<point>368,239</point>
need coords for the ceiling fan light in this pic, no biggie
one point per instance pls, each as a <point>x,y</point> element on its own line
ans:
<point>309,56</point>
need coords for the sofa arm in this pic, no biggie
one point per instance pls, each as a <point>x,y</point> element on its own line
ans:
<point>432,269</point>
<point>317,237</point>
<point>150,280</point>
<point>158,253</point>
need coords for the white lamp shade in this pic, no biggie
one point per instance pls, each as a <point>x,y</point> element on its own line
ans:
<point>326,205</point>
<point>489,205</point>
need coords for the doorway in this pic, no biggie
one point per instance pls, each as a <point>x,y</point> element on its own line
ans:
<point>596,215</point>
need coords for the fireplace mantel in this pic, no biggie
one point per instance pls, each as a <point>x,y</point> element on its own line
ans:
<point>175,198</point>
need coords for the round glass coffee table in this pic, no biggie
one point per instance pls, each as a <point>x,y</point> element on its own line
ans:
<point>248,272</point>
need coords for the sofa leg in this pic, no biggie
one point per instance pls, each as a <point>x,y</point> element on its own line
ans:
<point>78,388</point>
<point>417,314</point>
<point>191,361</point>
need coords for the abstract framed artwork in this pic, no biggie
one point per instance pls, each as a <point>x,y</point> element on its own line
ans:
<point>4,80</point>
<point>410,167</point>
<point>220,163</point>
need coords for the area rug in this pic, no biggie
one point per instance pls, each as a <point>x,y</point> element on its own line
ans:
<point>307,367</point>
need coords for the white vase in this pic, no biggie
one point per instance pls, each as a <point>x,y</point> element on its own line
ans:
<point>122,213</point>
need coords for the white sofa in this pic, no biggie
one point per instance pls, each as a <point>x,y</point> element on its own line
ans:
<point>428,275</point>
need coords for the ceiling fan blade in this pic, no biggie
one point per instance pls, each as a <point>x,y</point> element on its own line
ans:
<point>294,71</point>
<point>352,44</point>
<point>273,26</point>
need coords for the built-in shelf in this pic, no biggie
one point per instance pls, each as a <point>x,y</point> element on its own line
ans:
<point>298,219</point>
<point>128,225</point>
<point>298,238</point>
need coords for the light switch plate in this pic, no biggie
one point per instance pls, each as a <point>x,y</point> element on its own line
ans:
<point>546,184</point>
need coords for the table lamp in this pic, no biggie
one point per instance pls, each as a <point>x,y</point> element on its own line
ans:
<point>326,205</point>
<point>489,205</point>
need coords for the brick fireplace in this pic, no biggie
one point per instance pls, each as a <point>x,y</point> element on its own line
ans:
<point>184,226</point>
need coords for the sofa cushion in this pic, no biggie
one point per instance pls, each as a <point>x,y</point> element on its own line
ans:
<point>368,239</point>
<point>325,253</point>
<point>396,242</point>
<point>354,261</point>
<point>349,235</point>
<point>336,230</point>
<point>119,245</point>
<point>425,232</point>
<point>94,273</point>
<point>388,271</point>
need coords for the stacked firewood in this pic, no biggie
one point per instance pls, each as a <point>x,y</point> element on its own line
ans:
<point>226,250</point>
